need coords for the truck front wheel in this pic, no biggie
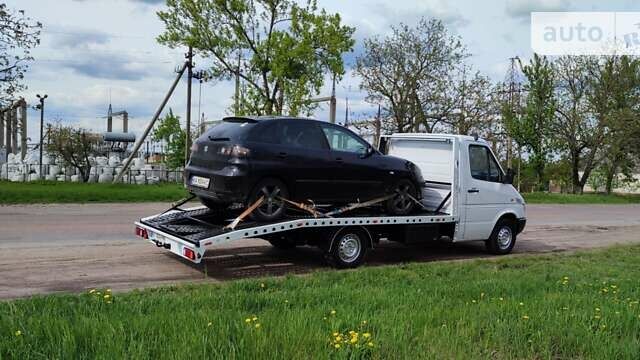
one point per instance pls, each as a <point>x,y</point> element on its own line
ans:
<point>349,248</point>
<point>503,238</point>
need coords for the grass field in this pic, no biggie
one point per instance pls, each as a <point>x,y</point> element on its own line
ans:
<point>546,306</point>
<point>546,198</point>
<point>60,192</point>
<point>64,192</point>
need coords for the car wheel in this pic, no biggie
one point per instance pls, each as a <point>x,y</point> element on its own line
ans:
<point>272,207</point>
<point>502,239</point>
<point>349,249</point>
<point>402,203</point>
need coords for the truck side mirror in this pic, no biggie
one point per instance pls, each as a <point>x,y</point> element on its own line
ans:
<point>508,177</point>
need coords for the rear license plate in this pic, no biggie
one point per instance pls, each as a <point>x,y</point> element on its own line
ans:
<point>200,181</point>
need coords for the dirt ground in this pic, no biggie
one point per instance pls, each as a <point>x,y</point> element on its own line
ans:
<point>72,247</point>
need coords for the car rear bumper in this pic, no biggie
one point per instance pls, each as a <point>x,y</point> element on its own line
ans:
<point>226,185</point>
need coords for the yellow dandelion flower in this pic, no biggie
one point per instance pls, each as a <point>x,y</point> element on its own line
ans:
<point>286,301</point>
<point>366,335</point>
<point>364,322</point>
<point>335,334</point>
<point>501,299</point>
<point>565,278</point>
<point>254,318</point>
<point>354,340</point>
<point>209,324</point>
<point>597,316</point>
<point>473,301</point>
<point>108,301</point>
<point>338,338</point>
<point>597,309</point>
<point>333,312</point>
<point>247,320</point>
<point>257,325</point>
<point>525,317</point>
<point>262,285</point>
<point>351,332</point>
<point>108,290</point>
<point>370,344</point>
<point>18,333</point>
<point>337,346</point>
<point>107,296</point>
<point>92,291</point>
<point>521,304</point>
<point>324,318</point>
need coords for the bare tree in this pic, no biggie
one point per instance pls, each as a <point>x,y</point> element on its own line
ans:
<point>408,72</point>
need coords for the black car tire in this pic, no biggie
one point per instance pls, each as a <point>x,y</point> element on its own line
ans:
<point>503,238</point>
<point>272,207</point>
<point>401,203</point>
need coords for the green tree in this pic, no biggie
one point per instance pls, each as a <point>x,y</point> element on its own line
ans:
<point>74,147</point>
<point>169,131</point>
<point>18,35</point>
<point>616,103</point>
<point>283,49</point>
<point>532,130</point>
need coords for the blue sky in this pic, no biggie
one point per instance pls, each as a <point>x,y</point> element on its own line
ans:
<point>92,50</point>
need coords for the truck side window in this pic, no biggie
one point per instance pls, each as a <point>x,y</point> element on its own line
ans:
<point>483,165</point>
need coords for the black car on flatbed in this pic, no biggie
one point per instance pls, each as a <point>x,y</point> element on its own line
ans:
<point>244,158</point>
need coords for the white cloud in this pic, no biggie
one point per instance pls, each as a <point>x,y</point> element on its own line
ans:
<point>523,8</point>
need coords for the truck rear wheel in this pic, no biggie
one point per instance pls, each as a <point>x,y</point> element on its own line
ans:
<point>349,248</point>
<point>502,239</point>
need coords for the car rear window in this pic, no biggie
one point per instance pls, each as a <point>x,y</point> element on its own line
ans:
<point>230,130</point>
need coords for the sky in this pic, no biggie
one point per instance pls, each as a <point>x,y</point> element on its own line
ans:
<point>96,51</point>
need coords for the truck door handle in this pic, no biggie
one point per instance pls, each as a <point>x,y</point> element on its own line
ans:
<point>473,190</point>
<point>339,160</point>
<point>282,155</point>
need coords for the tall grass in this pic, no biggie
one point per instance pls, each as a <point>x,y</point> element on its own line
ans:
<point>65,192</point>
<point>551,306</point>
<point>547,198</point>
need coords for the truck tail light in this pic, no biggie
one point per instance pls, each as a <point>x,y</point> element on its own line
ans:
<point>142,232</point>
<point>188,253</point>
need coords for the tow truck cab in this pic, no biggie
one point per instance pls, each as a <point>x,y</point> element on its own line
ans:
<point>482,194</point>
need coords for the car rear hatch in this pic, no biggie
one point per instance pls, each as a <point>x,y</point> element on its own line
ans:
<point>211,151</point>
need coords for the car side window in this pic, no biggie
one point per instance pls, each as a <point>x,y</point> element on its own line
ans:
<point>301,134</point>
<point>341,140</point>
<point>483,165</point>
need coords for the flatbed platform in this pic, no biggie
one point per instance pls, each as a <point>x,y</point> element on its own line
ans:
<point>197,228</point>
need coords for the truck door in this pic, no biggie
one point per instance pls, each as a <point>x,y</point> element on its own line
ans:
<point>483,192</point>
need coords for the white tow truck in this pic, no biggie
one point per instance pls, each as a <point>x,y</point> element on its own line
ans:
<point>466,197</point>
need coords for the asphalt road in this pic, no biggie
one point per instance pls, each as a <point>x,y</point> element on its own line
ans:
<point>57,248</point>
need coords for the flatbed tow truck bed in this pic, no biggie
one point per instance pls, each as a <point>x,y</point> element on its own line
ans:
<point>189,232</point>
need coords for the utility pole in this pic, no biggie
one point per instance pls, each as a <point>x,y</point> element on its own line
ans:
<point>236,106</point>
<point>332,102</point>
<point>187,144</point>
<point>378,128</point>
<point>513,99</point>
<point>41,107</point>
<point>142,138</point>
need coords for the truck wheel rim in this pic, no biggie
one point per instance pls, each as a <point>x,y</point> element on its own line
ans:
<point>349,248</point>
<point>505,237</point>
<point>271,203</point>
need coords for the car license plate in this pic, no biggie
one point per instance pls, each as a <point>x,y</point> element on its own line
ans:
<point>200,181</point>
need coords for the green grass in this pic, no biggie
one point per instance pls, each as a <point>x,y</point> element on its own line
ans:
<point>64,192</point>
<point>546,198</point>
<point>583,305</point>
